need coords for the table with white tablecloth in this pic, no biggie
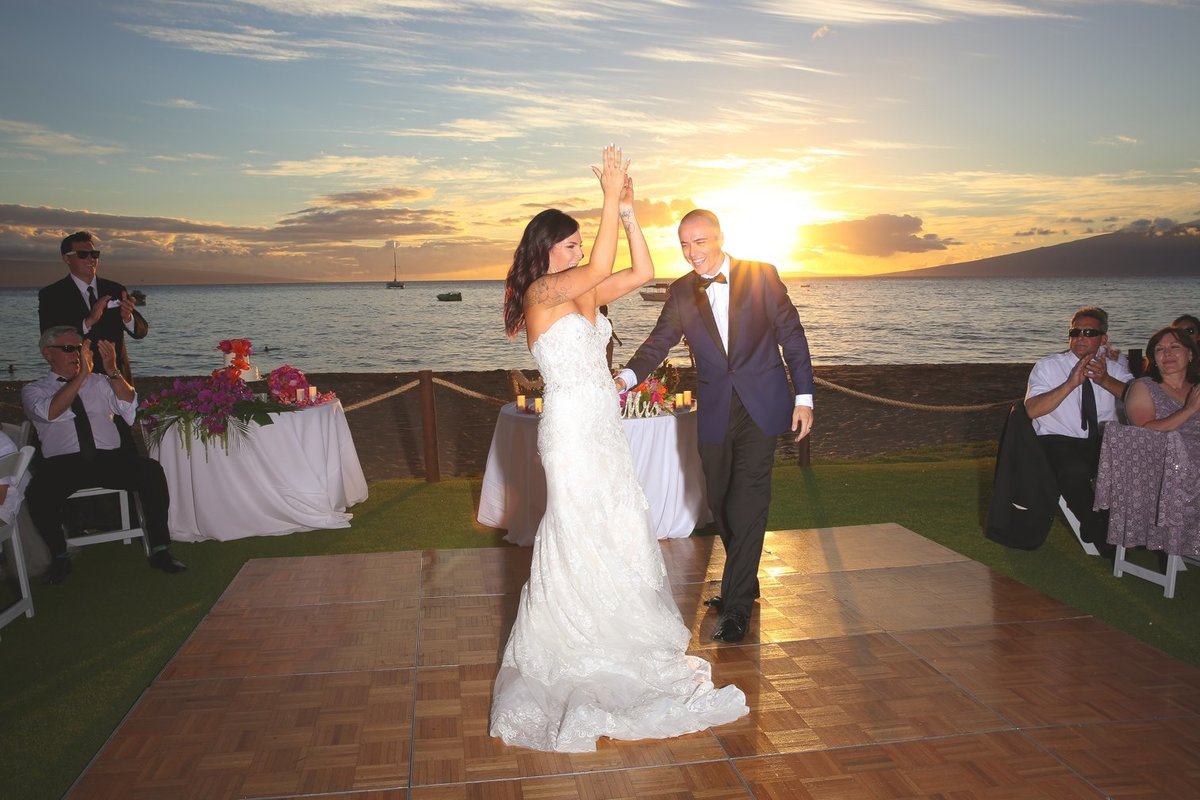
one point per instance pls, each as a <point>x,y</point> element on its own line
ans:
<point>299,473</point>
<point>513,495</point>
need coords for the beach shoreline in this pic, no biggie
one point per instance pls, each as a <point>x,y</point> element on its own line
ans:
<point>388,433</point>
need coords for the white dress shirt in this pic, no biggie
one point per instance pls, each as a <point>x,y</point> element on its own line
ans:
<point>1066,420</point>
<point>58,435</point>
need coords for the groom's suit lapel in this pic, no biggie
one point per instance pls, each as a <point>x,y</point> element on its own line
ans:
<point>706,315</point>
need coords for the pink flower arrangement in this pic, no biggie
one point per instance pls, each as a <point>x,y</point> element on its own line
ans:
<point>208,409</point>
<point>283,383</point>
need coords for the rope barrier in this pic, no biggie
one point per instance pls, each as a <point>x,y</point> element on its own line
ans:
<point>904,404</point>
<point>887,401</point>
<point>411,384</point>
<point>377,398</point>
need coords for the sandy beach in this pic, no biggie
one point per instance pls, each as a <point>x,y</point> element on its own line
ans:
<point>389,438</point>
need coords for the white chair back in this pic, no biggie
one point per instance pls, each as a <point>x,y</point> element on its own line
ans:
<point>18,433</point>
<point>14,466</point>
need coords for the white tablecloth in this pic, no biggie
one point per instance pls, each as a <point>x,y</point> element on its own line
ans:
<point>665,457</point>
<point>300,473</point>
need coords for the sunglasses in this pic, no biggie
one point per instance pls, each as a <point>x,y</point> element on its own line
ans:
<point>1190,331</point>
<point>1087,333</point>
<point>67,348</point>
<point>82,254</point>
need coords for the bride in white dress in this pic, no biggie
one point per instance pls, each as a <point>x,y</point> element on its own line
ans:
<point>598,647</point>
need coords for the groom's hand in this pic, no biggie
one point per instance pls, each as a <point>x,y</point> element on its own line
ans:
<point>620,382</point>
<point>802,420</point>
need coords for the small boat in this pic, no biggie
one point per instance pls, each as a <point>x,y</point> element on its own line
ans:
<point>395,283</point>
<point>656,292</point>
<point>139,297</point>
<point>450,296</point>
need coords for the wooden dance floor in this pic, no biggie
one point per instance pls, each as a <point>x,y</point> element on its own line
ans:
<point>879,665</point>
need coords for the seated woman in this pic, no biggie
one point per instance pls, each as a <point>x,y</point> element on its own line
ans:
<point>1148,469</point>
<point>1166,399</point>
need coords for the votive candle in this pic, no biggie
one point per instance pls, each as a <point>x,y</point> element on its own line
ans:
<point>687,397</point>
<point>537,404</point>
<point>520,402</point>
<point>679,399</point>
<point>312,393</point>
<point>300,395</point>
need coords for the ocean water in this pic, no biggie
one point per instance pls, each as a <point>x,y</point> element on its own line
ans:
<point>356,327</point>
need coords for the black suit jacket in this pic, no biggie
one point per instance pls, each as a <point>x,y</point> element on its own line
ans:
<point>1025,490</point>
<point>61,303</point>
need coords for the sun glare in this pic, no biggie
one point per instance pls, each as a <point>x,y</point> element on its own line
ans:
<point>763,224</point>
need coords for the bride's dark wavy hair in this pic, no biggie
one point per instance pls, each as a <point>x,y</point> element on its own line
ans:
<point>531,260</point>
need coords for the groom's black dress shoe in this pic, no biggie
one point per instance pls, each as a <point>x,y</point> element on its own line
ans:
<point>732,627</point>
<point>715,602</point>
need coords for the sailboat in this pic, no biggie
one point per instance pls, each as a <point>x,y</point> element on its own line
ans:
<point>395,283</point>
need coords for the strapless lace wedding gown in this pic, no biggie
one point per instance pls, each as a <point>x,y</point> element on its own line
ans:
<point>598,648</point>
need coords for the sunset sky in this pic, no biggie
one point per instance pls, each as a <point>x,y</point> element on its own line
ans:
<point>298,139</point>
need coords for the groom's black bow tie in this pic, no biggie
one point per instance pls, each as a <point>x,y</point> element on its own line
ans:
<point>703,284</point>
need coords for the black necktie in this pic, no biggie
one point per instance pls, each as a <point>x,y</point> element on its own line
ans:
<point>91,299</point>
<point>703,284</point>
<point>1090,423</point>
<point>83,427</point>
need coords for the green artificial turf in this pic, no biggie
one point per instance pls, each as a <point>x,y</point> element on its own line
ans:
<point>72,672</point>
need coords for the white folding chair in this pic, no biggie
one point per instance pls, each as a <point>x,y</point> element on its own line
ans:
<point>1165,579</point>
<point>1073,523</point>
<point>126,533</point>
<point>18,433</point>
<point>14,466</point>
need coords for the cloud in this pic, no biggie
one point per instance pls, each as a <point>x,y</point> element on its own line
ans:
<point>1039,232</point>
<point>178,102</point>
<point>924,12</point>
<point>366,198</point>
<point>1116,141</point>
<point>879,235</point>
<point>821,32</point>
<point>43,140</point>
<point>243,42</point>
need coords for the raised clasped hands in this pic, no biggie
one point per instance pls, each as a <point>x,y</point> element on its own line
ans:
<point>108,356</point>
<point>127,304</point>
<point>611,171</point>
<point>97,311</point>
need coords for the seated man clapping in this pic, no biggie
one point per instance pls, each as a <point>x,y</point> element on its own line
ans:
<point>73,409</point>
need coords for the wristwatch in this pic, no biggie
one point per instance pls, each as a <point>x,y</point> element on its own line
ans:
<point>113,376</point>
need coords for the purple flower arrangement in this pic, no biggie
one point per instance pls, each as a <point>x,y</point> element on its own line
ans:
<point>208,409</point>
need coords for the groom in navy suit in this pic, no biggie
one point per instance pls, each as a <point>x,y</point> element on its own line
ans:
<point>736,316</point>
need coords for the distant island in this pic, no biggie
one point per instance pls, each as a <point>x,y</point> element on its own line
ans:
<point>1111,255</point>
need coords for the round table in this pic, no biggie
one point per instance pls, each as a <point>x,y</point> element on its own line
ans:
<point>665,457</point>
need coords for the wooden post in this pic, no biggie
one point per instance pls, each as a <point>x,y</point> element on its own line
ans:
<point>433,470</point>
<point>803,455</point>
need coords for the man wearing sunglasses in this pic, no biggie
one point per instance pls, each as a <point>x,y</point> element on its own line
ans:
<point>73,408</point>
<point>100,309</point>
<point>1070,396</point>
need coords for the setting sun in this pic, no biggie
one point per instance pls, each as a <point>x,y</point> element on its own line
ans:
<point>763,225</point>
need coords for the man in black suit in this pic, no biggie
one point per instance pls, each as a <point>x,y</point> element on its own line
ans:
<point>736,316</point>
<point>100,309</point>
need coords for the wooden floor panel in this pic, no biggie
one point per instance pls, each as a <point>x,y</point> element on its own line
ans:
<point>878,665</point>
